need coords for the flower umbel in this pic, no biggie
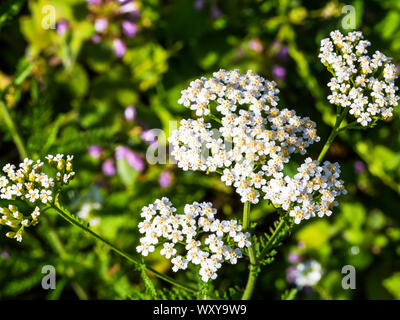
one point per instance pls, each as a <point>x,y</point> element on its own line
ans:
<point>184,236</point>
<point>248,131</point>
<point>312,191</point>
<point>364,84</point>
<point>30,184</point>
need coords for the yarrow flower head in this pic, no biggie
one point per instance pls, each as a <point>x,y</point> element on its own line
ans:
<point>239,132</point>
<point>196,236</point>
<point>30,184</point>
<point>312,191</point>
<point>364,84</point>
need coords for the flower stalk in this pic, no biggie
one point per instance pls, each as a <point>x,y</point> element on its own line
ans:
<point>66,216</point>
<point>336,129</point>
<point>13,131</point>
<point>252,278</point>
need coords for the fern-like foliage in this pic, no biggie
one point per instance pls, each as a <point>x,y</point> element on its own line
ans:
<point>74,141</point>
<point>265,246</point>
<point>289,294</point>
<point>8,9</point>
<point>149,285</point>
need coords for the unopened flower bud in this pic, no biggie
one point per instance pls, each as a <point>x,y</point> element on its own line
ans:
<point>10,234</point>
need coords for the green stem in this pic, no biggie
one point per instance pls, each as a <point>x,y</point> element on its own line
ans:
<point>121,252</point>
<point>58,246</point>
<point>251,281</point>
<point>333,134</point>
<point>246,216</point>
<point>352,125</point>
<point>13,131</point>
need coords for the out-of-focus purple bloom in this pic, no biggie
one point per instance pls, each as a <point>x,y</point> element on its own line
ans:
<point>108,167</point>
<point>135,161</point>
<point>154,144</point>
<point>129,28</point>
<point>62,27</point>
<point>93,1</point>
<point>4,255</point>
<point>199,4</point>
<point>255,45</point>
<point>130,156</point>
<point>293,257</point>
<point>283,54</point>
<point>165,179</point>
<point>101,25</point>
<point>130,113</point>
<point>301,245</point>
<point>215,11</point>
<point>148,135</point>
<point>279,72</point>
<point>359,167</point>
<point>120,152</point>
<point>95,151</point>
<point>119,47</point>
<point>129,7</point>
<point>96,38</point>
<point>291,274</point>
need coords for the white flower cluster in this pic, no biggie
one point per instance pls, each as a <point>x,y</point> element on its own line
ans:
<point>195,236</point>
<point>312,191</point>
<point>366,85</point>
<point>307,274</point>
<point>29,183</point>
<point>252,139</point>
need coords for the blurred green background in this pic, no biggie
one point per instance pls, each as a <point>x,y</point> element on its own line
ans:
<point>68,88</point>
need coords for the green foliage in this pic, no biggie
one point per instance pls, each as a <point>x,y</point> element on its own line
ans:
<point>392,284</point>
<point>65,93</point>
<point>8,9</point>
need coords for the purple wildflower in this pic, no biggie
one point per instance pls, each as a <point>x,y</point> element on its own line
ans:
<point>129,29</point>
<point>255,45</point>
<point>291,274</point>
<point>119,47</point>
<point>293,257</point>
<point>359,167</point>
<point>62,27</point>
<point>165,179</point>
<point>279,72</point>
<point>130,156</point>
<point>108,167</point>
<point>95,151</point>
<point>199,4</point>
<point>100,25</point>
<point>130,113</point>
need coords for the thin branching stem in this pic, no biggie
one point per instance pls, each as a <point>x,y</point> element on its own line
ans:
<point>13,130</point>
<point>270,243</point>
<point>252,278</point>
<point>122,253</point>
<point>333,134</point>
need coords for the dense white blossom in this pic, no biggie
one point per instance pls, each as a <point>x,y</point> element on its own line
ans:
<point>365,84</point>
<point>312,191</point>
<point>238,131</point>
<point>194,236</point>
<point>29,183</point>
